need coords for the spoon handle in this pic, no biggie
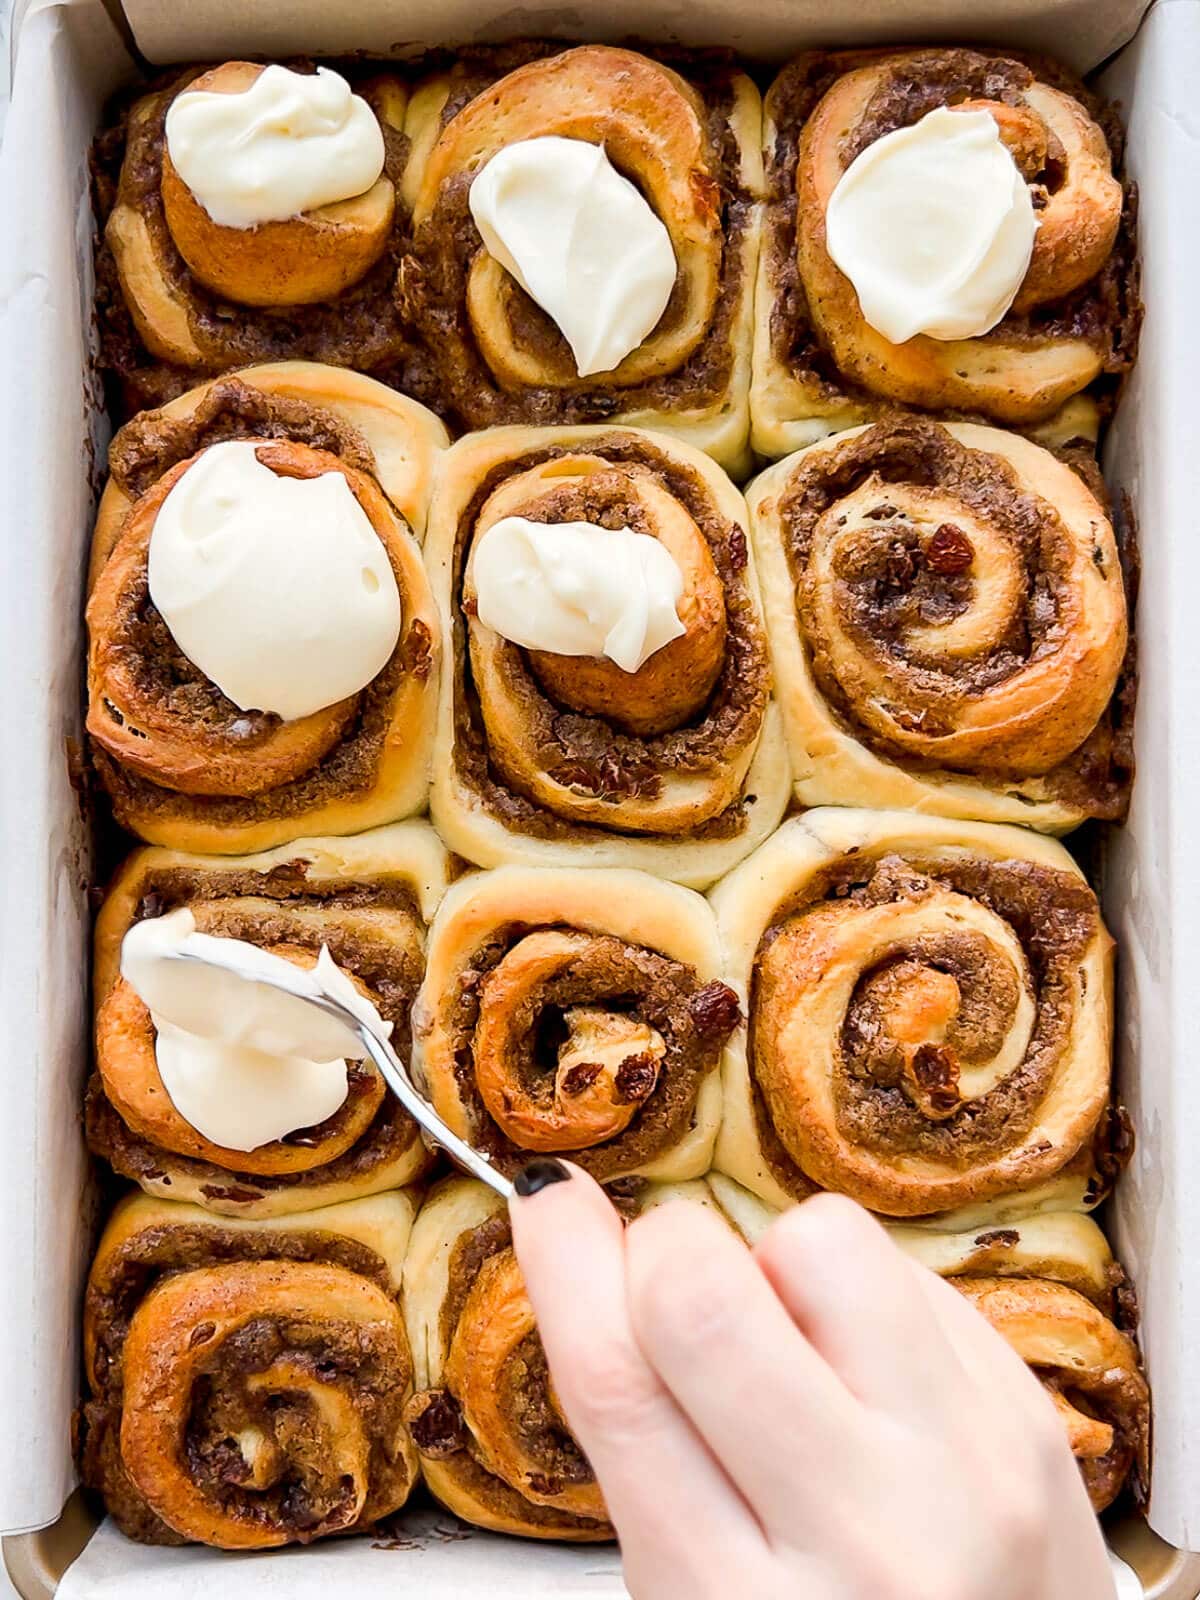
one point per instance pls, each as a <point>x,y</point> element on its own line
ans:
<point>394,1075</point>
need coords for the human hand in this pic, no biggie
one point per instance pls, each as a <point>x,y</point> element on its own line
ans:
<point>818,1417</point>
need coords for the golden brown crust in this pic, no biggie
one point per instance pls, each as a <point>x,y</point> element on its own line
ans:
<point>947,616</point>
<point>248,1380</point>
<point>820,367</point>
<point>365,900</point>
<point>494,1446</point>
<point>575,1010</point>
<point>182,765</point>
<point>300,260</point>
<point>185,297</point>
<point>930,1012</point>
<point>523,769</point>
<point>492,356</point>
<point>1089,1368</point>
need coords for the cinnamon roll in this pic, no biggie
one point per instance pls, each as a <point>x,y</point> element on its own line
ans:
<point>607,700</point>
<point>251,213</point>
<point>584,237</point>
<point>366,900</point>
<point>1050,1286</point>
<point>1064,1246</point>
<point>1089,1368</point>
<point>263,642</point>
<point>494,1445</point>
<point>998,172</point>
<point>929,1015</point>
<point>579,1011</point>
<point>248,1380</point>
<point>947,616</point>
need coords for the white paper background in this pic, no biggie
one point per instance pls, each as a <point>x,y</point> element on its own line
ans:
<point>1150,881</point>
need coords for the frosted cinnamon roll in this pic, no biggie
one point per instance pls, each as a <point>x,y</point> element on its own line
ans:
<point>251,213</point>
<point>929,1014</point>
<point>248,1379</point>
<point>263,643</point>
<point>607,696</point>
<point>584,237</point>
<point>947,617</point>
<point>578,1011</point>
<point>494,1446</point>
<point>226,1128</point>
<point>1001,174</point>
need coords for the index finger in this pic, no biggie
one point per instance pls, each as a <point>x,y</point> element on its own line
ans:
<point>657,1475</point>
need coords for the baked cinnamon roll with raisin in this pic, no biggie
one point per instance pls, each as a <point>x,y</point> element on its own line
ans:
<point>584,237</point>
<point>944,228</point>
<point>607,698</point>
<point>263,642</point>
<point>494,1446</point>
<point>947,617</point>
<point>929,1015</point>
<point>248,1379</point>
<point>248,1133</point>
<point>577,1011</point>
<point>251,213</point>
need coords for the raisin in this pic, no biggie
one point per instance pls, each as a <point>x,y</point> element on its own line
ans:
<point>715,1011</point>
<point>635,1079</point>
<point>436,1424</point>
<point>949,551</point>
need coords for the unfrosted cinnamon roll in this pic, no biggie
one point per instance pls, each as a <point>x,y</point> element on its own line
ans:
<point>1008,292</point>
<point>608,696</point>
<point>947,617</point>
<point>494,1445</point>
<point>1065,1247</point>
<point>366,900</point>
<point>1049,1284</point>
<point>604,267</point>
<point>1089,1368</point>
<point>579,1011</point>
<point>263,643</point>
<point>930,1014</point>
<point>248,1379</point>
<point>250,214</point>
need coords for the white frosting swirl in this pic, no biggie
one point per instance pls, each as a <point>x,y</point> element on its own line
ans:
<point>577,589</point>
<point>289,143</point>
<point>242,1063</point>
<point>277,588</point>
<point>580,240</point>
<point>934,227</point>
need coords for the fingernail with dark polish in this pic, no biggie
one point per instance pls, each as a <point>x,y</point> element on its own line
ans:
<point>537,1175</point>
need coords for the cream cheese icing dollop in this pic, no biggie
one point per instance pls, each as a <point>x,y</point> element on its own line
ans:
<point>934,227</point>
<point>241,1062</point>
<point>578,589</point>
<point>277,588</point>
<point>290,142</point>
<point>580,240</point>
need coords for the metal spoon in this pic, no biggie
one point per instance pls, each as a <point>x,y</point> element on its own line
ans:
<point>385,1058</point>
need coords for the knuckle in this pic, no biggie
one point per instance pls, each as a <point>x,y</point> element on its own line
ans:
<point>681,1299</point>
<point>829,1225</point>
